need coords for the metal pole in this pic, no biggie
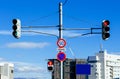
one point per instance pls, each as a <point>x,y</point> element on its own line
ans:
<point>60,35</point>
<point>61,69</point>
<point>60,20</point>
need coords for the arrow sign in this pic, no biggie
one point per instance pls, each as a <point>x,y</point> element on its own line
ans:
<point>61,56</point>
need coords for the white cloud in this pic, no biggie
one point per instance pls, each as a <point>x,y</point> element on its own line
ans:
<point>5,32</point>
<point>68,34</point>
<point>49,32</point>
<point>2,59</point>
<point>27,45</point>
<point>27,67</point>
<point>55,33</point>
<point>27,70</point>
<point>42,32</point>
<point>71,34</point>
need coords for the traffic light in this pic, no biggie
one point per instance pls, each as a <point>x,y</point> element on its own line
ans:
<point>16,28</point>
<point>50,65</point>
<point>105,29</point>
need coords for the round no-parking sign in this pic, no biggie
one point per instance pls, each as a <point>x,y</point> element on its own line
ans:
<point>61,56</point>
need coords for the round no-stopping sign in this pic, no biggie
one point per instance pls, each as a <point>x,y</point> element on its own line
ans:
<point>61,56</point>
<point>61,43</point>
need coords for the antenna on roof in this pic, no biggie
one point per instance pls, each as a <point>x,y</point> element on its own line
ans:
<point>101,48</point>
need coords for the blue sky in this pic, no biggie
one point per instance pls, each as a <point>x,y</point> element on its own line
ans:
<point>29,53</point>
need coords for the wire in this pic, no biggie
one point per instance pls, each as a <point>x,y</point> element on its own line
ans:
<point>71,51</point>
<point>77,19</point>
<point>42,33</point>
<point>49,14</point>
<point>42,17</point>
<point>39,26</point>
<point>65,2</point>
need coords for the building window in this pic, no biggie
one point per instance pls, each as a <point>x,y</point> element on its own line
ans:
<point>92,66</point>
<point>11,71</point>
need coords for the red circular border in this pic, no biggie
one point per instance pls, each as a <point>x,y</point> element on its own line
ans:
<point>64,56</point>
<point>59,45</point>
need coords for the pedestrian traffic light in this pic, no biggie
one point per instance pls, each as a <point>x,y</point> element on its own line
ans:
<point>50,65</point>
<point>105,29</point>
<point>16,28</point>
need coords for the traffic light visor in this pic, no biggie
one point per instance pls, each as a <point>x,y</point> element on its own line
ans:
<point>107,28</point>
<point>50,68</point>
<point>14,27</point>
<point>107,35</point>
<point>14,21</point>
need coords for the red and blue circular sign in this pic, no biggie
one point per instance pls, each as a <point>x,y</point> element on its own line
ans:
<point>61,56</point>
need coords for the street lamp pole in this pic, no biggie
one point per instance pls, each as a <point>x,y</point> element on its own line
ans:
<point>60,21</point>
<point>60,35</point>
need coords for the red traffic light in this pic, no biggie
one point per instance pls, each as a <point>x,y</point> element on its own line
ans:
<point>105,29</point>
<point>106,23</point>
<point>50,63</point>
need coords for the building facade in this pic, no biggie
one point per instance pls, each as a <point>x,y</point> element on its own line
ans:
<point>6,71</point>
<point>69,66</point>
<point>104,66</point>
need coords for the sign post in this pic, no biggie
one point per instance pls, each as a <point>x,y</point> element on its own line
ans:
<point>60,36</point>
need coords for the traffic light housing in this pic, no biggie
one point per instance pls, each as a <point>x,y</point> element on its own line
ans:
<point>16,28</point>
<point>105,29</point>
<point>50,65</point>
